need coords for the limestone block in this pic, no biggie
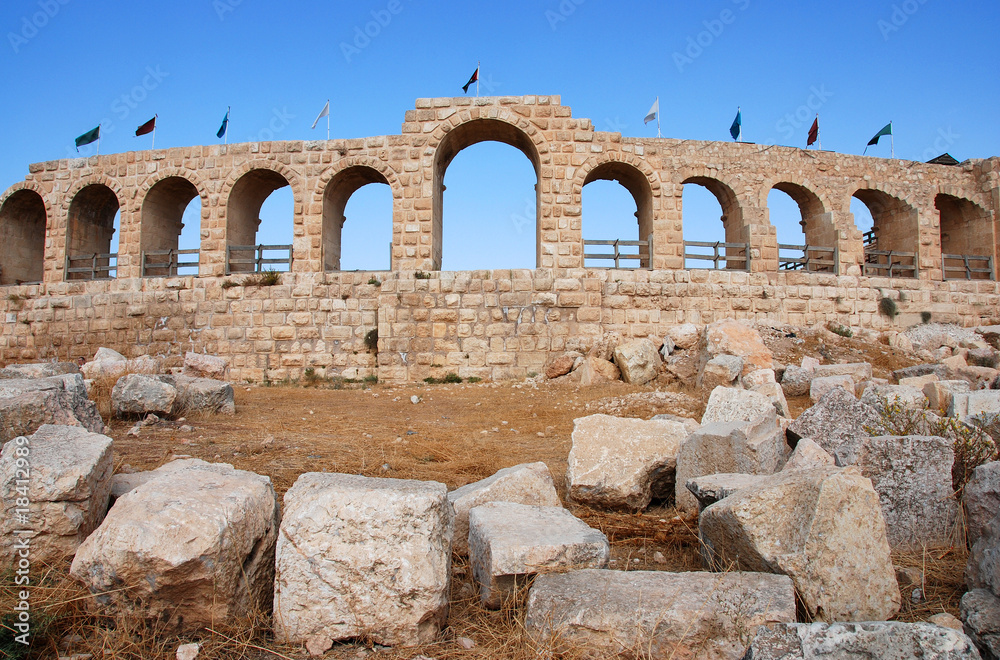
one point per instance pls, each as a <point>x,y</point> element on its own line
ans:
<point>685,336</point>
<point>729,337</point>
<point>655,614</point>
<point>920,370</point>
<point>689,424</point>
<point>620,462</point>
<point>28,403</point>
<point>795,381</point>
<point>728,404</point>
<point>809,363</point>
<point>711,488</point>
<point>776,396</point>
<point>721,370</point>
<point>982,506</point>
<point>667,348</point>
<point>871,639</point>
<point>201,365</point>
<point>392,542</point>
<point>39,370</point>
<point>604,348</point>
<point>906,396</point>
<point>858,371</point>
<point>67,472</point>
<point>144,364</point>
<point>759,377</point>
<point>192,549</point>
<point>822,527</point>
<point>970,404</point>
<point>754,447</point>
<point>201,395</point>
<point>684,367</point>
<point>980,611</point>
<point>939,393</point>
<point>919,381</point>
<point>808,454</point>
<point>508,541</point>
<point>140,394</point>
<point>107,363</point>
<point>836,423</point>
<point>820,386</point>
<point>983,357</point>
<point>560,365</point>
<point>595,371</point>
<point>638,361</point>
<point>529,483</point>
<point>912,476</point>
<point>955,362</point>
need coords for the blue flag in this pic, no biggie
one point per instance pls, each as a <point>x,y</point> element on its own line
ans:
<point>737,128</point>
<point>225,124</point>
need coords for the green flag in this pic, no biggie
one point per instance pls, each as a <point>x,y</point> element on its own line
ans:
<point>88,137</point>
<point>887,130</point>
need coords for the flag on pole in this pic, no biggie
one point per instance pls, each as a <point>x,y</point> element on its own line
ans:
<point>653,111</point>
<point>225,124</point>
<point>88,137</point>
<point>813,132</point>
<point>146,128</point>
<point>474,78</point>
<point>736,130</point>
<point>325,112</point>
<point>886,130</point>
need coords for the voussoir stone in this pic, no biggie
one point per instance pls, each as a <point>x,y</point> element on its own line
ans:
<point>822,527</point>
<point>363,557</point>
<point>509,540</point>
<point>885,640</point>
<point>731,404</point>
<point>190,549</point>
<point>529,483</point>
<point>141,394</point>
<point>28,403</point>
<point>66,479</point>
<point>638,361</point>
<point>656,614</point>
<point>618,462</point>
<point>836,423</point>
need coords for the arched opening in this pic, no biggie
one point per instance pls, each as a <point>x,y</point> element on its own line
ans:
<point>490,229</point>
<point>806,236</point>
<point>259,224</point>
<point>92,234</point>
<point>22,238</point>
<point>367,229</point>
<point>701,203</point>
<point>607,228</point>
<point>891,244</point>
<point>170,210</point>
<point>966,239</point>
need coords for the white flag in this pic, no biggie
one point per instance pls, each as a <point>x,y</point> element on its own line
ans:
<point>653,112</point>
<point>322,113</point>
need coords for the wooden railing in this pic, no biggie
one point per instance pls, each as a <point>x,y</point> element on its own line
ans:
<point>645,258</point>
<point>813,259</point>
<point>891,263</point>
<point>168,263</point>
<point>959,267</point>
<point>724,253</point>
<point>236,262</point>
<point>98,266</point>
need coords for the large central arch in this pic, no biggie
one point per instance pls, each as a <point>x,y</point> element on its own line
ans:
<point>466,135</point>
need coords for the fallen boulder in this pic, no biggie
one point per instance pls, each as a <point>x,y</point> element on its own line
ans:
<point>730,404</point>
<point>795,381</point>
<point>722,370</point>
<point>823,384</point>
<point>28,403</point>
<point>560,365</point>
<point>201,365</point>
<point>910,398</point>
<point>594,371</point>
<point>713,487</point>
<point>201,395</point>
<point>730,337</point>
<point>39,370</point>
<point>939,393</point>
<point>107,363</point>
<point>808,454</point>
<point>982,506</point>
<point>638,361</point>
<point>873,639</point>
<point>684,336</point>
<point>980,611</point>
<point>140,395</point>
<point>836,423</point>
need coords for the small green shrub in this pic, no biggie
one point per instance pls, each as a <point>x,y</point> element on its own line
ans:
<point>474,379</point>
<point>431,380</point>
<point>888,308</point>
<point>421,275</point>
<point>371,378</point>
<point>229,284</point>
<point>842,330</point>
<point>374,281</point>
<point>925,317</point>
<point>263,278</point>
<point>452,377</point>
<point>371,339</point>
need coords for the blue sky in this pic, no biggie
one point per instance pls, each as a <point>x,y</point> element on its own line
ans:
<point>927,65</point>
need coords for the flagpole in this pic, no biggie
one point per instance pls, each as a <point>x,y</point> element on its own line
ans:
<point>229,120</point>
<point>658,134</point>
<point>328,120</point>
<point>478,65</point>
<point>819,138</point>
<point>98,139</point>
<point>153,146</point>
<point>892,141</point>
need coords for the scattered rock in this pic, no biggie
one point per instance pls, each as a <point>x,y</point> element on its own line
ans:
<point>728,404</point>
<point>667,348</point>
<point>983,357</point>
<point>908,397</point>
<point>594,371</point>
<point>982,507</point>
<point>721,370</point>
<point>200,365</point>
<point>684,336</point>
<point>28,403</point>
<point>729,337</point>
<point>808,454</point>
<point>713,487</point>
<point>795,381</point>
<point>946,620</point>
<point>201,395</point>
<point>604,348</point>
<point>188,651</point>
<point>939,394</point>
<point>820,386</point>
<point>561,364</point>
<point>872,639</point>
<point>140,394</point>
<point>414,399</point>
<point>465,643</point>
<point>107,363</point>
<point>919,381</point>
<point>759,377</point>
<point>836,423</point>
<point>980,612</point>
<point>39,370</point>
<point>638,361</point>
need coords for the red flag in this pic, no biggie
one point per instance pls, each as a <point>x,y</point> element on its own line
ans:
<point>474,78</point>
<point>813,132</point>
<point>146,128</point>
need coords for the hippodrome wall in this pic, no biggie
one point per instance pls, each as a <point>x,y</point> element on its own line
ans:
<point>491,324</point>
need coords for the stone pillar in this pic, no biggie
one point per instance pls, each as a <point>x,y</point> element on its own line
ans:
<point>668,228</point>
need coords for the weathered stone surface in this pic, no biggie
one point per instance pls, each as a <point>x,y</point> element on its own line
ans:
<point>821,385</point>
<point>27,403</point>
<point>620,462</point>
<point>980,612</point>
<point>982,506</point>
<point>691,425</point>
<point>754,447</point>
<point>39,370</point>
<point>201,395</point>
<point>638,361</point>
<point>107,363</point>
<point>983,357</point>
<point>808,454</point>
<point>126,483</point>
<point>685,336</point>
<point>729,337</point>
<point>201,365</point>
<point>940,393</point>
<point>684,366</point>
<point>823,528</point>
<point>392,542</point>
<point>595,371</point>
<point>190,549</point>
<point>885,640</point>
<point>721,370</point>
<point>919,381</point>
<point>529,483</point>
<point>836,423</point>
<point>604,348</point>
<point>946,620</point>
<point>68,479</point>
<point>776,396</point>
<point>713,487</point>
<point>912,476</point>
<point>509,540</point>
<point>667,348</point>
<point>858,371</point>
<point>795,381</point>
<point>908,397</point>
<point>604,614</point>
<point>729,404</point>
<point>560,365</point>
<point>930,336</point>
<point>938,370</point>
<point>140,394</point>
<point>969,404</point>
<point>759,377</point>
<point>979,377</point>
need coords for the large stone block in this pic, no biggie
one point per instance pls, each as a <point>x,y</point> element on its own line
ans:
<point>362,557</point>
<point>28,403</point>
<point>795,381</point>
<point>729,337</point>
<point>201,395</point>
<point>107,363</point>
<point>858,371</point>
<point>39,370</point>
<point>721,371</point>
<point>754,447</point>
<point>982,506</point>
<point>201,365</point>
<point>808,454</point>
<point>823,528</point>
<point>910,398</point>
<point>140,394</point>
<point>837,424</point>
<point>638,361</point>
<point>620,462</point>
<point>640,614</point>
<point>684,336</point>
<point>821,385</point>
<point>191,548</point>
<point>65,475</point>
<point>508,541</point>
<point>939,393</point>
<point>980,612</point>
<point>887,640</point>
<point>713,487</point>
<point>529,483</point>
<point>730,404</point>
<point>971,404</point>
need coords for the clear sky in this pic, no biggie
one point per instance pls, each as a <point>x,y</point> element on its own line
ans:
<point>928,65</point>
